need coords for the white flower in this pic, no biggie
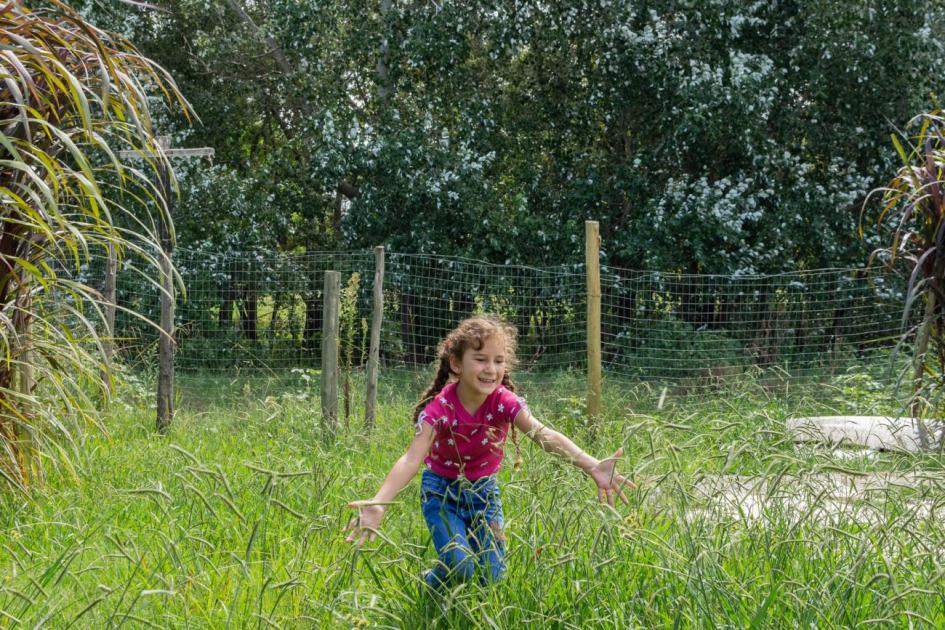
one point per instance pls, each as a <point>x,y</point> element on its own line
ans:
<point>489,416</point>
<point>501,407</point>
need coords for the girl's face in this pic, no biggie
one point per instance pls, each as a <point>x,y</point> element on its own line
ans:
<point>480,372</point>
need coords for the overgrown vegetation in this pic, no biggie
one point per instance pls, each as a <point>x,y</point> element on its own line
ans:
<point>914,205</point>
<point>236,520</point>
<point>72,97</point>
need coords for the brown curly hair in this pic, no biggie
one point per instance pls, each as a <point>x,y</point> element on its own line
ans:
<point>472,334</point>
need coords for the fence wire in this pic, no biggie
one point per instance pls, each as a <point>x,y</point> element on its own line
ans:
<point>262,314</point>
<point>696,330</point>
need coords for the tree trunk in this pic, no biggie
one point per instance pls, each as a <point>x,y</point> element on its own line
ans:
<point>225,319</point>
<point>407,327</point>
<point>383,57</point>
<point>623,313</point>
<point>248,312</point>
<point>463,304</point>
<point>313,319</point>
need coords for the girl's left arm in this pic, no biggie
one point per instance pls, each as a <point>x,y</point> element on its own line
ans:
<point>604,472</point>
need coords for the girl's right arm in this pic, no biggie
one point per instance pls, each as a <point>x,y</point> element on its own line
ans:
<point>364,526</point>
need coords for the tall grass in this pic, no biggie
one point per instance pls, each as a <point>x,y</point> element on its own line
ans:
<point>235,517</point>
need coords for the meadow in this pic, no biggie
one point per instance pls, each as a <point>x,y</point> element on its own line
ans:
<point>235,517</point>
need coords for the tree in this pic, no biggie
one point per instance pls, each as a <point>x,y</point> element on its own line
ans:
<point>74,95</point>
<point>706,136</point>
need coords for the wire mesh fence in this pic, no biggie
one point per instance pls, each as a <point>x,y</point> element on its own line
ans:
<point>695,330</point>
<point>261,314</point>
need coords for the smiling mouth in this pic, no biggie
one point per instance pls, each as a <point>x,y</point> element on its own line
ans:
<point>489,381</point>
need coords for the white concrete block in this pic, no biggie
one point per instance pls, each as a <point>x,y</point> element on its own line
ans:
<point>876,432</point>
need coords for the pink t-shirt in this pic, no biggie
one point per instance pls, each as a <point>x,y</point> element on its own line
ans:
<point>464,444</point>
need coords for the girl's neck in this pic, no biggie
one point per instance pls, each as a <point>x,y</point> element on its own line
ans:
<point>471,401</point>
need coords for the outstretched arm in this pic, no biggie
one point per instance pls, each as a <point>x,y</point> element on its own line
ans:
<point>603,472</point>
<point>364,526</point>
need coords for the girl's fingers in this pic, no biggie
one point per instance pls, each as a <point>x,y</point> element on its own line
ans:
<point>368,534</point>
<point>603,495</point>
<point>621,482</point>
<point>357,530</point>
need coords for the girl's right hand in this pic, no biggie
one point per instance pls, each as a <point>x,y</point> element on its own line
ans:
<point>364,526</point>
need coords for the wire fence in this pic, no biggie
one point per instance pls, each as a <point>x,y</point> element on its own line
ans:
<point>262,314</point>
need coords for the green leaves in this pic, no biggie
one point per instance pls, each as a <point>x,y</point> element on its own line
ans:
<point>914,211</point>
<point>69,93</point>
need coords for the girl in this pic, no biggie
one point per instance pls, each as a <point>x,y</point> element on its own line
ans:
<point>461,425</point>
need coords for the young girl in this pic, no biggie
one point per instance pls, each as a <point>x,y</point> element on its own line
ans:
<point>461,425</point>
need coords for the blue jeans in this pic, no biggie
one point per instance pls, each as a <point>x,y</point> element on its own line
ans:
<point>465,520</point>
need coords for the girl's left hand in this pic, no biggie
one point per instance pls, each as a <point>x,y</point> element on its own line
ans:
<point>609,481</point>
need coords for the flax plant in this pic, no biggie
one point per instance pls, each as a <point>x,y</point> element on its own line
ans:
<point>914,202</point>
<point>71,97</point>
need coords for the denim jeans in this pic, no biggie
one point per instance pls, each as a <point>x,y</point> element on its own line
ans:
<point>465,520</point>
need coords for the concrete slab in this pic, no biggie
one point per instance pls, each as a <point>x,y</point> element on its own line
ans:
<point>827,498</point>
<point>876,432</point>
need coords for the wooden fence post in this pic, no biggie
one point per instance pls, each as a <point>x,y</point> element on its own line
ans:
<point>330,327</point>
<point>370,404</point>
<point>111,271</point>
<point>165,392</point>
<point>592,250</point>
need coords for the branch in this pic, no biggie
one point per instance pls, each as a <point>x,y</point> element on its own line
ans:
<point>280,57</point>
<point>349,190</point>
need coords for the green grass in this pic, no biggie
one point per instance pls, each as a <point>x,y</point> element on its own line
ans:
<point>234,519</point>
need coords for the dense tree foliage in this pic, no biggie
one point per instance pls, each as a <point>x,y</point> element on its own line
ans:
<point>706,135</point>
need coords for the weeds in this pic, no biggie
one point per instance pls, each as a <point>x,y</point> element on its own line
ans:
<point>235,519</point>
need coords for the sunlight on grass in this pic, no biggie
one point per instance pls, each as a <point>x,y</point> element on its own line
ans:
<point>236,516</point>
